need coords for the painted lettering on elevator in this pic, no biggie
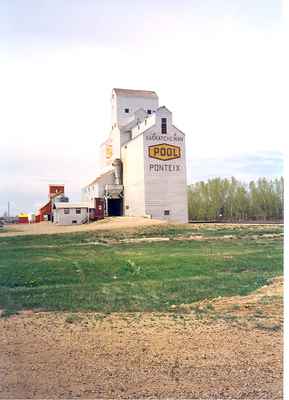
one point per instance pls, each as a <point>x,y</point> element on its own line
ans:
<point>164,152</point>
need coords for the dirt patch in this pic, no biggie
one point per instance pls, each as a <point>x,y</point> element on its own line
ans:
<point>106,224</point>
<point>140,240</point>
<point>192,237</point>
<point>50,356</point>
<point>262,309</point>
<point>89,355</point>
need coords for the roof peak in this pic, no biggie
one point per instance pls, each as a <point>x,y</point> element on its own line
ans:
<point>134,92</point>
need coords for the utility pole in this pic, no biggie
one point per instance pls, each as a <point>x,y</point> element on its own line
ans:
<point>8,209</point>
<point>88,207</point>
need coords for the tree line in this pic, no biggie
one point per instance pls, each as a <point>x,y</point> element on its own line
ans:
<point>232,200</point>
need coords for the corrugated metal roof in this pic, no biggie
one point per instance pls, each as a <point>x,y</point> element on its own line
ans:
<point>71,205</point>
<point>136,93</point>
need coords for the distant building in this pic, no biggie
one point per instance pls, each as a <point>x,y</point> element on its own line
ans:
<point>70,213</point>
<point>55,194</point>
<point>23,218</point>
<point>142,162</point>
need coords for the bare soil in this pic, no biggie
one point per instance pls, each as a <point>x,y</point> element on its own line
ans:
<point>188,355</point>
<point>105,224</point>
<point>262,308</point>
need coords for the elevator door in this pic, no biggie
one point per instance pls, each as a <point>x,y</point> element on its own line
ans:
<point>114,207</point>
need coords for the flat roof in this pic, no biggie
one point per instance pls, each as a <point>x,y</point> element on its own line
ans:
<point>71,205</point>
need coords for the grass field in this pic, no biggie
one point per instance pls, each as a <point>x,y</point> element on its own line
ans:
<point>130,270</point>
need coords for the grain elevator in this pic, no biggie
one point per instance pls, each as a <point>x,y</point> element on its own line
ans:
<point>142,162</point>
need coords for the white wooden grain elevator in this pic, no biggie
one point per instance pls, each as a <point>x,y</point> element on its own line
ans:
<point>142,162</point>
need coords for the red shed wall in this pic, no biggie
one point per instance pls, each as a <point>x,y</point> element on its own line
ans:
<point>45,210</point>
<point>23,220</point>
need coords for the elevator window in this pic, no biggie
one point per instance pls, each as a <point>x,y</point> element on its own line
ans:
<point>164,125</point>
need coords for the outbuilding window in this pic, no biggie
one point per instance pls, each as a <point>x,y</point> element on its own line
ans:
<point>149,111</point>
<point>126,110</point>
<point>78,211</point>
<point>164,125</point>
<point>66,210</point>
<point>166,212</point>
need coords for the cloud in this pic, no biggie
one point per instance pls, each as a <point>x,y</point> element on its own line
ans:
<point>96,22</point>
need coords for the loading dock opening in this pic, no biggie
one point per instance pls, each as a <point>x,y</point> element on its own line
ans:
<point>114,207</point>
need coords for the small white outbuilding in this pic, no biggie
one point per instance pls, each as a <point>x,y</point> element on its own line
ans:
<point>70,213</point>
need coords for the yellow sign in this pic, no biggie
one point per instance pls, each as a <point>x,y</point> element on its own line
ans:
<point>108,151</point>
<point>164,151</point>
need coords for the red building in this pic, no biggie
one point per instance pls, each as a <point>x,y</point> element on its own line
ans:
<point>45,211</point>
<point>55,190</point>
<point>23,218</point>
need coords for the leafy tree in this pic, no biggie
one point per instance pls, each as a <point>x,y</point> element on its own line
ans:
<point>230,199</point>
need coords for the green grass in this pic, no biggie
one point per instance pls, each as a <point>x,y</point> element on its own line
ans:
<point>4,230</point>
<point>68,272</point>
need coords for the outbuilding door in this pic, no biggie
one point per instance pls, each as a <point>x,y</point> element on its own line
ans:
<point>99,208</point>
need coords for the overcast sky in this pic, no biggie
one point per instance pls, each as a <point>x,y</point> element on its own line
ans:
<point>218,65</point>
